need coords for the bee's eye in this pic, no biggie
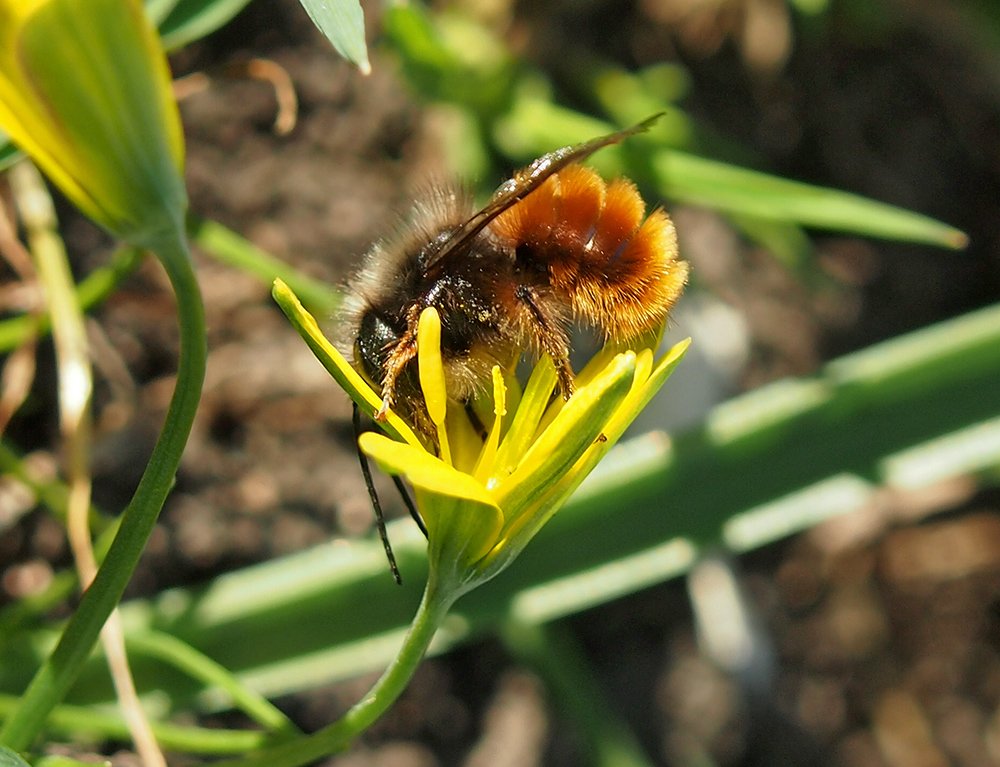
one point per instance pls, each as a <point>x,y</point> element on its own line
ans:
<point>375,339</point>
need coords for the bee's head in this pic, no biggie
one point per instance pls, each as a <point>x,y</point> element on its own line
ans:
<point>377,334</point>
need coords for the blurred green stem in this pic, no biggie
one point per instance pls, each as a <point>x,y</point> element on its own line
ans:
<point>59,671</point>
<point>97,723</point>
<point>182,656</point>
<point>92,290</point>
<point>433,608</point>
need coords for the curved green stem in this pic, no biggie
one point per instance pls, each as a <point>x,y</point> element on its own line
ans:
<point>337,736</point>
<point>180,655</point>
<point>60,670</point>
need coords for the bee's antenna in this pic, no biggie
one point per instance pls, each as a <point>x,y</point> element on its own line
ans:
<point>373,495</point>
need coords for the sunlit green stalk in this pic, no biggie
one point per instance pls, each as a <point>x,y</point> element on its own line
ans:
<point>433,607</point>
<point>59,671</point>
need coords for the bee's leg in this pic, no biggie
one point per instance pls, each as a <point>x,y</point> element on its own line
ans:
<point>401,354</point>
<point>551,335</point>
<point>410,506</point>
<point>379,517</point>
<point>476,421</point>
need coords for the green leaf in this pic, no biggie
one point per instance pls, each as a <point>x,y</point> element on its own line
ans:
<point>232,249</point>
<point>343,23</point>
<point>697,180</point>
<point>763,466</point>
<point>10,758</point>
<point>450,58</point>
<point>9,154</point>
<point>535,126</point>
<point>95,724</point>
<point>158,10</point>
<point>190,20</point>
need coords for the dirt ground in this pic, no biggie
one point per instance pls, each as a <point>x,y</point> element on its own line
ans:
<point>886,657</point>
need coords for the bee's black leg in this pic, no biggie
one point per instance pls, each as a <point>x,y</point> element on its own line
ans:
<point>379,517</point>
<point>410,506</point>
<point>476,421</point>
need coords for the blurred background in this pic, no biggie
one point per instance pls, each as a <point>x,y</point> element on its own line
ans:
<point>870,639</point>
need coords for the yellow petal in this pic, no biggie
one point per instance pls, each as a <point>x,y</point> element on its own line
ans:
<point>579,424</point>
<point>462,517</point>
<point>645,385</point>
<point>485,466</point>
<point>430,371</point>
<point>534,400</point>
<point>429,365</point>
<point>338,367</point>
<point>423,469</point>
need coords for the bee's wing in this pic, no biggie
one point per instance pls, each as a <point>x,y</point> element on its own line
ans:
<point>526,181</point>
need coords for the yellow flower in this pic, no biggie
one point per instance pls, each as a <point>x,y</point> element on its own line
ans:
<point>85,91</point>
<point>484,499</point>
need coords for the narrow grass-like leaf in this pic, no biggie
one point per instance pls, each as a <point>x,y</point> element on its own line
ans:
<point>759,469</point>
<point>190,20</point>
<point>72,721</point>
<point>184,657</point>
<point>75,387</point>
<point>158,10</point>
<point>9,154</point>
<point>10,758</point>
<point>58,672</point>
<point>343,23</point>
<point>535,126</point>
<point>228,247</point>
<point>452,58</point>
<point>689,178</point>
<point>91,291</point>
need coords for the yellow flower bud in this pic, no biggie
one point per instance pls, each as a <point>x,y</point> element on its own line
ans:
<point>85,91</point>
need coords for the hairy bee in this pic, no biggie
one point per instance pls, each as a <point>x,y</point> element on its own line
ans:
<point>555,245</point>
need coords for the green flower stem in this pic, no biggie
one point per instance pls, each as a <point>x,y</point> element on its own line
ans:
<point>183,656</point>
<point>76,721</point>
<point>60,670</point>
<point>433,607</point>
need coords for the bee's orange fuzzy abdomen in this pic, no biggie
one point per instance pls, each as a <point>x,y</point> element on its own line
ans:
<point>618,270</point>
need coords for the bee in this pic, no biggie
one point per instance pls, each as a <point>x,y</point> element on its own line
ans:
<point>556,245</point>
